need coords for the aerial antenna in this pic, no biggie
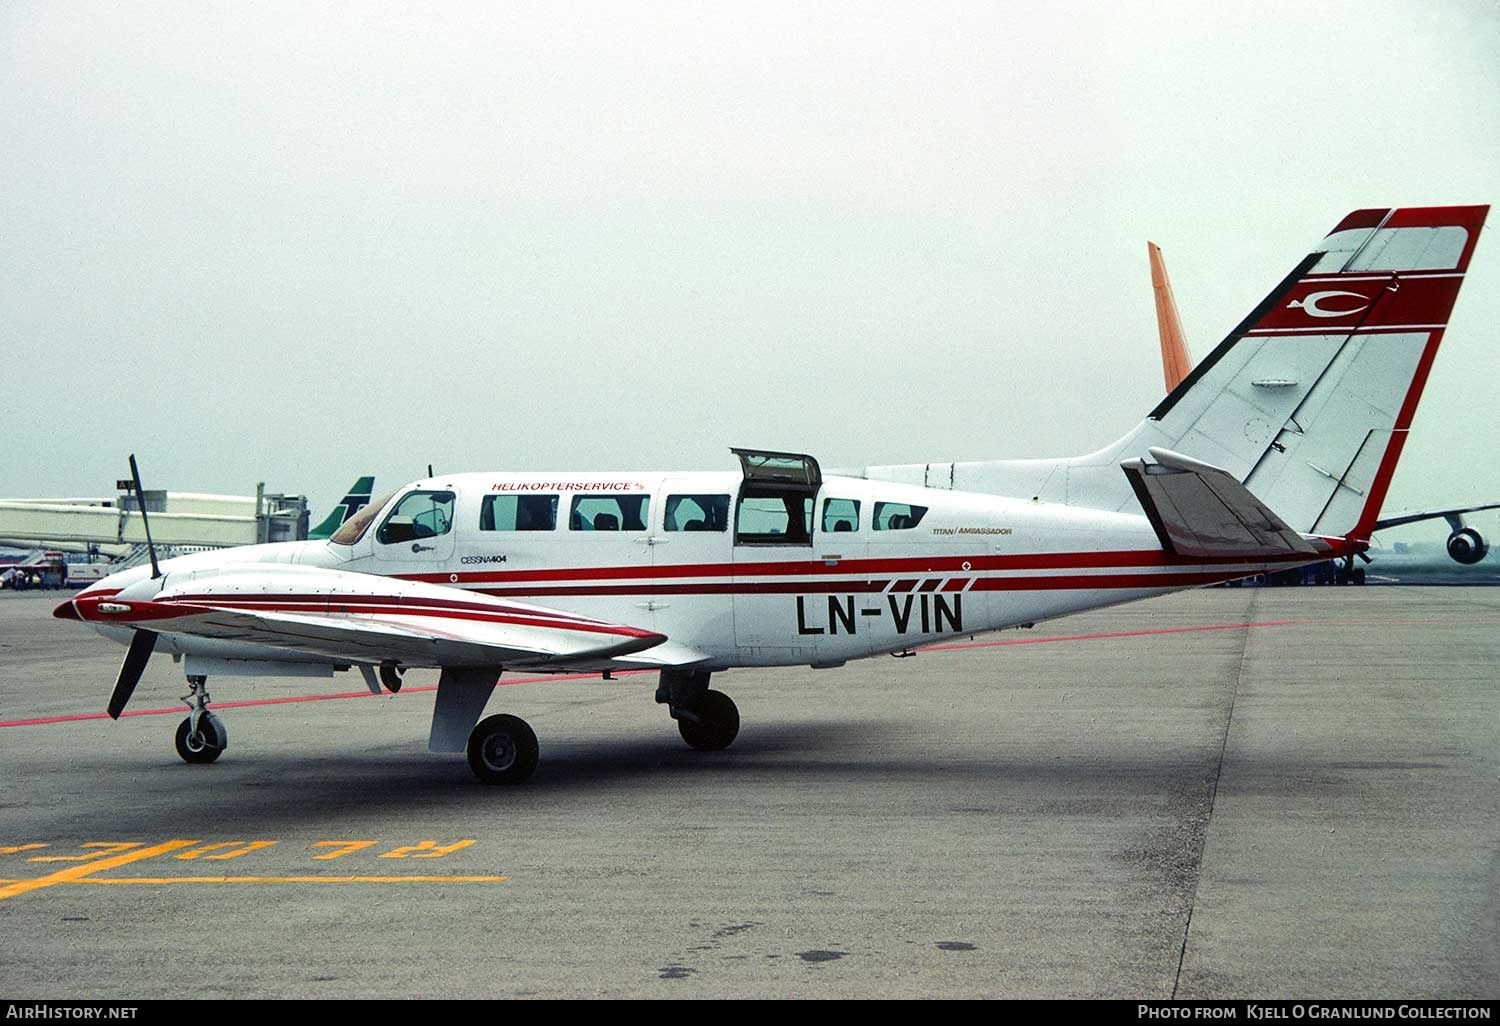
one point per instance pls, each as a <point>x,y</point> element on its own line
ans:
<point>140,501</point>
<point>429,470</point>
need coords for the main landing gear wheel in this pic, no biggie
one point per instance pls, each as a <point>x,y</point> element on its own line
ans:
<point>711,723</point>
<point>503,750</point>
<point>204,746</point>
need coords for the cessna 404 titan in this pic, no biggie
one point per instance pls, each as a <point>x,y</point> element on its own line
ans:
<point>1303,410</point>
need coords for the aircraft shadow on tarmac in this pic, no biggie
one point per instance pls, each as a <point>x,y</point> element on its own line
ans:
<point>270,790</point>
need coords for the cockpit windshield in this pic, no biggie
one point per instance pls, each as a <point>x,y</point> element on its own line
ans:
<point>353,529</point>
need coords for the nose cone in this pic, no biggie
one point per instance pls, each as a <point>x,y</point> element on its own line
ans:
<point>84,605</point>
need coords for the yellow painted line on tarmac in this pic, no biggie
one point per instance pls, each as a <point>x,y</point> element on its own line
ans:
<point>154,880</point>
<point>80,871</point>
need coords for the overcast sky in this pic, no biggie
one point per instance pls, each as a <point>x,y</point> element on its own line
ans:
<point>294,243</point>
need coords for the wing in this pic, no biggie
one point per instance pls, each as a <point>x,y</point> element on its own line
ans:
<point>338,616</point>
<point>1446,514</point>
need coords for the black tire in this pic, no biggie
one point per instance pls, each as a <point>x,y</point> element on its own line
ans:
<point>210,746</point>
<point>503,750</point>
<point>717,723</point>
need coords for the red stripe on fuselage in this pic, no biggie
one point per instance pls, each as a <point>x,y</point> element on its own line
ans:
<point>927,566</point>
<point>1060,582</point>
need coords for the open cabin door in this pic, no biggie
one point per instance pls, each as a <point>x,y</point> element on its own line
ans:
<point>773,549</point>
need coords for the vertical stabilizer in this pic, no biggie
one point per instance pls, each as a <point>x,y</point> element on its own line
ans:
<point>357,499</point>
<point>1309,399</point>
<point>1175,361</point>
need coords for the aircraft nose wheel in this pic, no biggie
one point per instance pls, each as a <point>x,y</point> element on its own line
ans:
<point>201,746</point>
<point>711,723</point>
<point>202,737</point>
<point>503,750</point>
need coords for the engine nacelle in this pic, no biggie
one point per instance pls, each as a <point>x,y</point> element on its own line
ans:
<point>1467,546</point>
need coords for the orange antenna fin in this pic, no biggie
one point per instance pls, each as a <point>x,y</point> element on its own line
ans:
<point>1175,360</point>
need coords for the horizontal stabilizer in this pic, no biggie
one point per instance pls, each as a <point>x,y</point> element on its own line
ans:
<point>1201,510</point>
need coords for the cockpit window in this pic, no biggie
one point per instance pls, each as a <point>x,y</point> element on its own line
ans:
<point>417,515</point>
<point>897,516</point>
<point>353,529</point>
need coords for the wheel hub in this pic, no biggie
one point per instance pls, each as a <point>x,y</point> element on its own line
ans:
<point>499,752</point>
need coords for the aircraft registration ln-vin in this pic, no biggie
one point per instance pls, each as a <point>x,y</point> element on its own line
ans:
<point>1275,451</point>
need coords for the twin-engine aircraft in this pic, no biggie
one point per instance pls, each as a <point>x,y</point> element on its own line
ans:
<point>1276,450</point>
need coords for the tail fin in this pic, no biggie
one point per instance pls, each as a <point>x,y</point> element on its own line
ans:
<point>1175,361</point>
<point>1323,378</point>
<point>357,499</point>
<point>1308,401</point>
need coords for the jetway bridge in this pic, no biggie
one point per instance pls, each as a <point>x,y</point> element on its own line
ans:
<point>112,525</point>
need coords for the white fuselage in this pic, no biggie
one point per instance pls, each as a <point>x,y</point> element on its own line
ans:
<point>884,567</point>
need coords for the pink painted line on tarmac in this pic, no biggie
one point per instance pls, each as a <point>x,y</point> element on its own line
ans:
<point>561,678</point>
<point>179,710</point>
<point>1110,634</point>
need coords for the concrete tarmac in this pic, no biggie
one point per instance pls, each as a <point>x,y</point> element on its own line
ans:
<point>1228,793</point>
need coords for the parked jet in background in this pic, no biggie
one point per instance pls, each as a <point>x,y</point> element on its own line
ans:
<point>1302,410</point>
<point>357,499</point>
<point>1176,362</point>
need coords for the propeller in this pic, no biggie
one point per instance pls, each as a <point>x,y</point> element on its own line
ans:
<point>130,671</point>
<point>144,641</point>
<point>140,501</point>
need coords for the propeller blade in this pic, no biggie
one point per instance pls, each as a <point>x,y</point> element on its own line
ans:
<point>130,671</point>
<point>140,501</point>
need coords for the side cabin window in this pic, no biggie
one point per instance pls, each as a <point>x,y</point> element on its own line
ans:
<point>840,515</point>
<point>609,513</point>
<point>697,513</point>
<point>897,516</point>
<point>770,516</point>
<point>518,513</point>
<point>417,515</point>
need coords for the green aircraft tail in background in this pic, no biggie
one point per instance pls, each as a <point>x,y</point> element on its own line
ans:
<point>357,499</point>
